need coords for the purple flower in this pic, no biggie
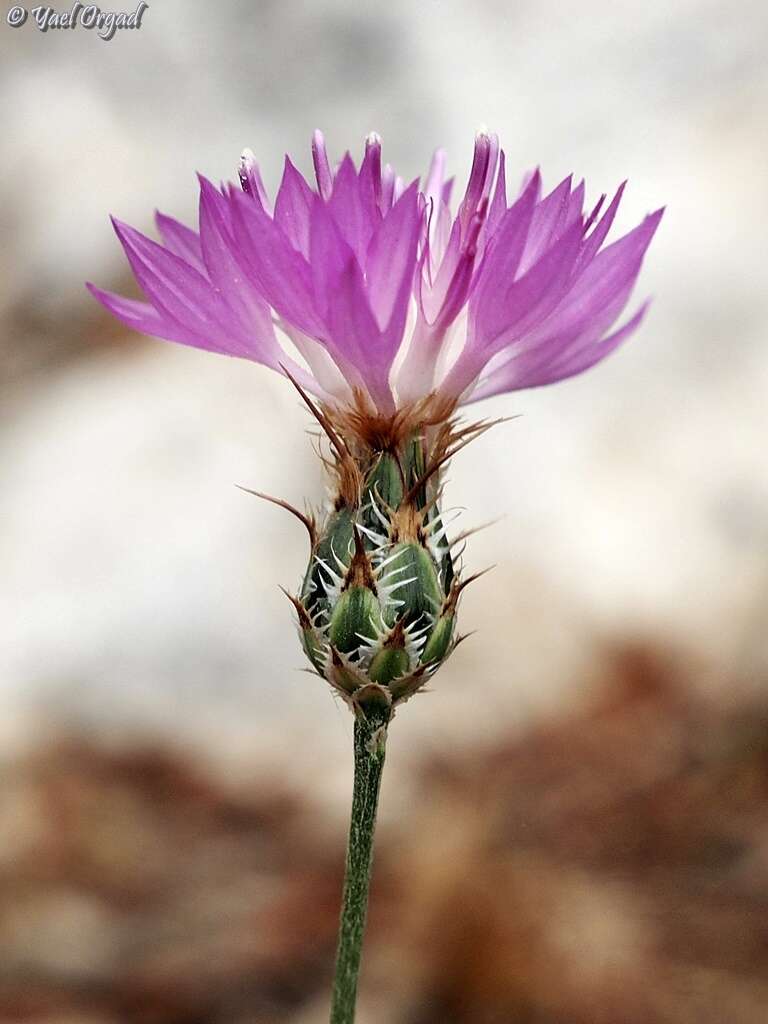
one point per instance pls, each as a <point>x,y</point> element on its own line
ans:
<point>370,291</point>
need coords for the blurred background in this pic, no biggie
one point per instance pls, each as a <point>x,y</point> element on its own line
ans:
<point>574,825</point>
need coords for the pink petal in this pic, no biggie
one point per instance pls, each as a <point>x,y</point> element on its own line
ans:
<point>547,218</point>
<point>247,307</point>
<point>498,206</point>
<point>323,172</point>
<point>504,251</point>
<point>250,180</point>
<point>593,241</point>
<point>355,334</point>
<point>480,176</point>
<point>180,239</point>
<point>281,274</point>
<point>369,178</point>
<point>348,210</point>
<point>607,273</point>
<point>139,316</point>
<point>529,373</point>
<point>292,208</point>
<point>533,296</point>
<point>391,261</point>
<point>329,254</point>
<point>175,288</point>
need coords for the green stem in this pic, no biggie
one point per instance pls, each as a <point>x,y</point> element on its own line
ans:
<point>370,737</point>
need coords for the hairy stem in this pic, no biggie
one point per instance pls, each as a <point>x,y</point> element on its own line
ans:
<point>370,737</point>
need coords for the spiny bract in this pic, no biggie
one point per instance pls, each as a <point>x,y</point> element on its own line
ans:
<point>377,605</point>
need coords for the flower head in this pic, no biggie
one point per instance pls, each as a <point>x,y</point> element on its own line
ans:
<point>374,295</point>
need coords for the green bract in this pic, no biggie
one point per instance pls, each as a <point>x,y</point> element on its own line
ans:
<point>377,606</point>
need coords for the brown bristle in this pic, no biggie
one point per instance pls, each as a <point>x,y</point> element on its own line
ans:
<point>360,572</point>
<point>344,466</point>
<point>306,519</point>
<point>304,620</point>
<point>407,524</point>
<point>362,423</point>
<point>396,639</point>
<point>458,586</point>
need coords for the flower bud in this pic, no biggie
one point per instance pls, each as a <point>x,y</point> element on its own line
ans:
<point>378,603</point>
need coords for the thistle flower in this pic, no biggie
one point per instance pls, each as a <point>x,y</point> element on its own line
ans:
<point>388,313</point>
<point>399,312</point>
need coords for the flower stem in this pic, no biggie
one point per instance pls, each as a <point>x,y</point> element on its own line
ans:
<point>370,739</point>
